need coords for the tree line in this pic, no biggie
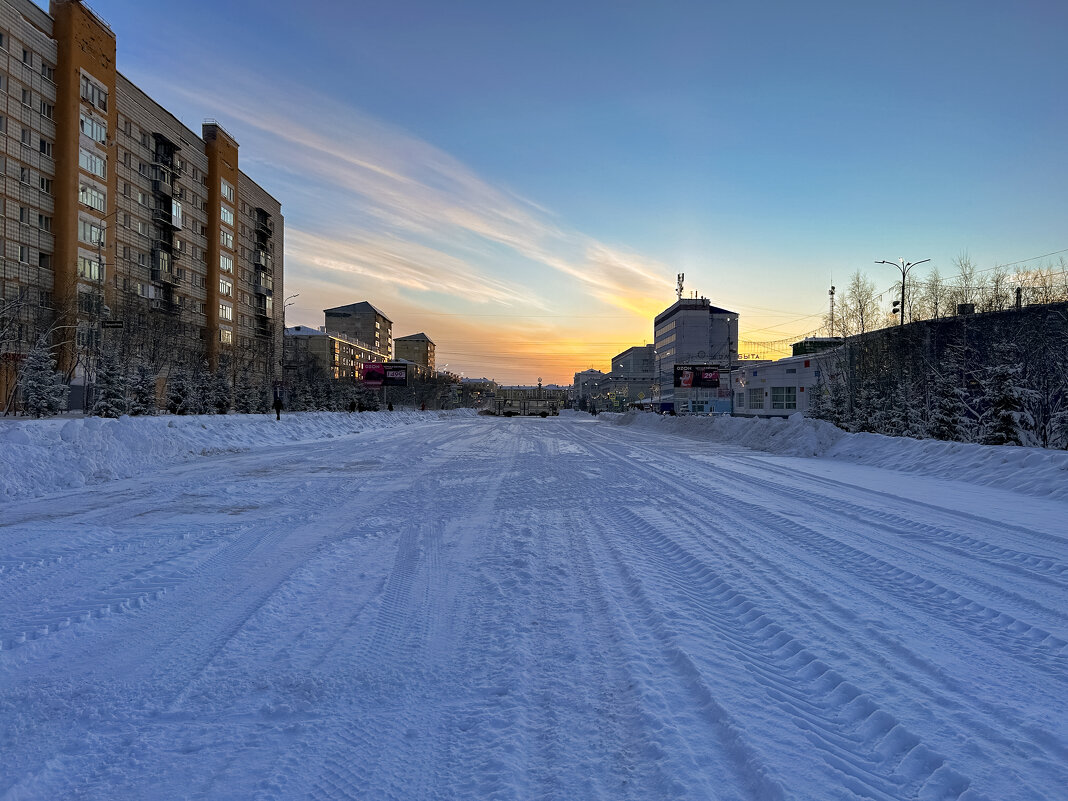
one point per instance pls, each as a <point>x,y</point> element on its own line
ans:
<point>860,307</point>
<point>999,378</point>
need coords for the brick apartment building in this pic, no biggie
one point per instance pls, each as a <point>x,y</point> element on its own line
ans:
<point>124,231</point>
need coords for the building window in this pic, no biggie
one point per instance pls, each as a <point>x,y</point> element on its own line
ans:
<point>756,398</point>
<point>88,268</point>
<point>48,111</point>
<point>226,263</point>
<point>27,97</point>
<point>92,163</point>
<point>24,174</point>
<point>784,397</point>
<point>226,239</point>
<point>24,254</point>
<point>226,312</point>
<point>46,184</point>
<point>24,215</point>
<point>92,197</point>
<point>226,288</point>
<point>27,57</point>
<point>44,222</point>
<point>94,93</point>
<point>227,190</point>
<point>48,71</point>
<point>45,147</point>
<point>227,216</point>
<point>90,232</point>
<point>226,336</point>
<point>27,136</point>
<point>739,400</point>
<point>94,129</point>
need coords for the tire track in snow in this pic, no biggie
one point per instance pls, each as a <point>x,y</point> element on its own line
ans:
<point>854,735</point>
<point>698,502</point>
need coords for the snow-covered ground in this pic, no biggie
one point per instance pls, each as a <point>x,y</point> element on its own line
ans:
<point>421,606</point>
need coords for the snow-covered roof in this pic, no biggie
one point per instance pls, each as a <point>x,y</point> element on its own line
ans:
<point>305,331</point>
<point>358,308</point>
<point>413,338</point>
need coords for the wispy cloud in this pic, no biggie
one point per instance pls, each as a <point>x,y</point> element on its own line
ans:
<point>394,208</point>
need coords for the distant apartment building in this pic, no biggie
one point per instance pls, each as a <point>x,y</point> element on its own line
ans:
<point>125,232</point>
<point>417,348</point>
<point>338,356</point>
<point>587,384</point>
<point>364,323</point>
<point>694,332</point>
<point>633,375</point>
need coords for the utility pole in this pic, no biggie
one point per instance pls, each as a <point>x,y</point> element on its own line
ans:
<point>904,267</point>
<point>831,293</point>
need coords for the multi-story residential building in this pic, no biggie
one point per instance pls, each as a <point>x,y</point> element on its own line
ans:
<point>418,348</point>
<point>693,331</point>
<point>125,232</point>
<point>339,356</point>
<point>363,322</point>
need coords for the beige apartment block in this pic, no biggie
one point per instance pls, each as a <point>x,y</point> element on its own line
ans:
<point>364,323</point>
<point>125,232</point>
<point>418,348</point>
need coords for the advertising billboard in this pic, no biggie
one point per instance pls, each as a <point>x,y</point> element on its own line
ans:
<point>374,373</point>
<point>396,375</point>
<point>696,375</point>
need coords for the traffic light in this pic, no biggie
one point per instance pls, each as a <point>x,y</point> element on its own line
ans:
<point>897,307</point>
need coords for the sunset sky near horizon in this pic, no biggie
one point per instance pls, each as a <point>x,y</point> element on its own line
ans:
<point>523,181</point>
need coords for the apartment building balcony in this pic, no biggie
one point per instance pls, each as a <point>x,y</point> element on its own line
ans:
<point>166,218</point>
<point>161,183</point>
<point>163,306</point>
<point>263,223</point>
<point>162,158</point>
<point>166,276</point>
<point>262,260</point>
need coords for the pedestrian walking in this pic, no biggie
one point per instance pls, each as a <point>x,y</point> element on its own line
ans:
<point>277,407</point>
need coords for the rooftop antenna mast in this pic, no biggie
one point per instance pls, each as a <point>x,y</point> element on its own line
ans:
<point>678,289</point>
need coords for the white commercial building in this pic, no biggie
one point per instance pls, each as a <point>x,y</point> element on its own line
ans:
<point>777,389</point>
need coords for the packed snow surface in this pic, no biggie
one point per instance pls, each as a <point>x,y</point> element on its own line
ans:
<point>442,607</point>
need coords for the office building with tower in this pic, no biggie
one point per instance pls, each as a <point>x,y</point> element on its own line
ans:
<point>694,332</point>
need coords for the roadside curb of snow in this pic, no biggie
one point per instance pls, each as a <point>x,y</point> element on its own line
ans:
<point>39,457</point>
<point>1031,471</point>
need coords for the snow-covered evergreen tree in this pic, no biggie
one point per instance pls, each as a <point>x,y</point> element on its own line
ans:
<point>202,400</point>
<point>245,393</point>
<point>110,388</point>
<point>179,391</point>
<point>221,391</point>
<point>1005,420</point>
<point>44,392</point>
<point>947,407</point>
<point>143,390</point>
<point>819,407</point>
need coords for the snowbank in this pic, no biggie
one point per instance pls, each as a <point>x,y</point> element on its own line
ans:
<point>38,457</point>
<point>1033,471</point>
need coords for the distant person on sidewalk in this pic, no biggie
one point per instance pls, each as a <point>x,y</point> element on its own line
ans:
<point>277,407</point>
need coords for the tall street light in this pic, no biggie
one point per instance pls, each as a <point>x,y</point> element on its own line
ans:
<point>904,266</point>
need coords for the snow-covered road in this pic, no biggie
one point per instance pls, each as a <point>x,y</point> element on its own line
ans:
<point>532,609</point>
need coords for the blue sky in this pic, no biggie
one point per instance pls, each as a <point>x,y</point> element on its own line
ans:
<point>523,181</point>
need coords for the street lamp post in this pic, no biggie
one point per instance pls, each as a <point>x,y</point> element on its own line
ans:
<point>904,267</point>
